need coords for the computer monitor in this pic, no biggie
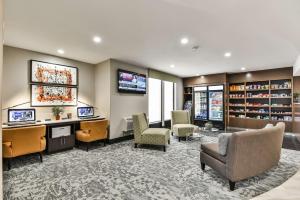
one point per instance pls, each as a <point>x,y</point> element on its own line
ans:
<point>21,115</point>
<point>85,112</point>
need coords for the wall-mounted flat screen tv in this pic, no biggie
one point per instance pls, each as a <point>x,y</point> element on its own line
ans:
<point>131,82</point>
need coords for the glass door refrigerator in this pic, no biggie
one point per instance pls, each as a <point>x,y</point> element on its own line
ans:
<point>216,105</point>
<point>200,99</point>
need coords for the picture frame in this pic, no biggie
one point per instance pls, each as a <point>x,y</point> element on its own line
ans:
<point>52,95</point>
<point>55,74</point>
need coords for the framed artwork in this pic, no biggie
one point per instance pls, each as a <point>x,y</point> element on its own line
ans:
<point>48,95</point>
<point>50,73</point>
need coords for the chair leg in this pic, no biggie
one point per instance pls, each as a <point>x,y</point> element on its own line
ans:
<point>135,145</point>
<point>87,146</point>
<point>41,156</point>
<point>164,148</point>
<point>104,142</point>
<point>169,141</point>
<point>231,185</point>
<point>172,133</point>
<point>202,166</point>
<point>9,163</point>
<point>178,139</point>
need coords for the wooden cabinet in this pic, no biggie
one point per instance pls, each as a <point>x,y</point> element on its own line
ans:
<point>60,137</point>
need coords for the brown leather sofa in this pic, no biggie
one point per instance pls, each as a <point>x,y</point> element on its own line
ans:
<point>91,131</point>
<point>22,141</point>
<point>249,153</point>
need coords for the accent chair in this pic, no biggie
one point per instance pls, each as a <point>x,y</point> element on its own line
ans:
<point>145,135</point>
<point>22,141</point>
<point>91,131</point>
<point>181,124</point>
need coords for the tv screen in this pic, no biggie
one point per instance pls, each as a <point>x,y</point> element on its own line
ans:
<point>85,112</point>
<point>131,82</point>
<point>21,115</point>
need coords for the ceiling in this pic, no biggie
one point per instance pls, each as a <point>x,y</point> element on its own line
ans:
<point>259,34</point>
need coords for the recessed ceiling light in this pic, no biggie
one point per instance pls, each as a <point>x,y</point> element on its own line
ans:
<point>243,68</point>
<point>60,51</point>
<point>97,39</point>
<point>202,76</point>
<point>227,54</point>
<point>197,74</point>
<point>172,66</point>
<point>184,40</point>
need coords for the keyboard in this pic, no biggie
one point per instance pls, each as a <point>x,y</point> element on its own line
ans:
<point>19,123</point>
<point>91,117</point>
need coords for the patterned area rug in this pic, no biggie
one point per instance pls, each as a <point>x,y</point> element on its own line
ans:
<point>120,171</point>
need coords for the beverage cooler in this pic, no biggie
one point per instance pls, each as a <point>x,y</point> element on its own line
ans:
<point>209,105</point>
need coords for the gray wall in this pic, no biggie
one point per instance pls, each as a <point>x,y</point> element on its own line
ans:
<point>122,104</point>
<point>16,88</point>
<point>102,88</point>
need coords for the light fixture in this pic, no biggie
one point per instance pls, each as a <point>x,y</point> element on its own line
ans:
<point>243,68</point>
<point>197,74</point>
<point>202,76</point>
<point>184,40</point>
<point>97,39</point>
<point>172,66</point>
<point>227,54</point>
<point>60,51</point>
<point>248,75</point>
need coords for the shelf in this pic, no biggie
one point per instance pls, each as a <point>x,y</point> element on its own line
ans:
<point>281,106</point>
<point>282,89</point>
<point>258,106</point>
<point>237,91</point>
<point>281,97</point>
<point>236,106</point>
<point>257,90</point>
<point>257,119</point>
<point>257,113</point>
<point>236,111</point>
<point>257,97</point>
<point>238,117</point>
<point>281,114</point>
<point>237,98</point>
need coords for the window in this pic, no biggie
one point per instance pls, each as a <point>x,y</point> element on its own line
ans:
<point>154,105</point>
<point>161,98</point>
<point>168,99</point>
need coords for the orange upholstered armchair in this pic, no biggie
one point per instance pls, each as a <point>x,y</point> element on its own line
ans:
<point>91,131</point>
<point>22,141</point>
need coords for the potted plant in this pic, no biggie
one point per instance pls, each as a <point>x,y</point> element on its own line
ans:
<point>56,110</point>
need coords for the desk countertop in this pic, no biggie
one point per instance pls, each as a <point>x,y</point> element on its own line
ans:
<point>5,126</point>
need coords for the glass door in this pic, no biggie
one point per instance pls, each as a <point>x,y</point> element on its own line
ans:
<point>200,103</point>
<point>216,103</point>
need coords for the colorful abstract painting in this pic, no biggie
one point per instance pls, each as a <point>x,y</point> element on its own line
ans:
<point>46,95</point>
<point>49,73</point>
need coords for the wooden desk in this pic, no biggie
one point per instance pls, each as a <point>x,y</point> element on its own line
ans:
<point>59,143</point>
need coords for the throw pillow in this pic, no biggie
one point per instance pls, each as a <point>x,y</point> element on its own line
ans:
<point>223,142</point>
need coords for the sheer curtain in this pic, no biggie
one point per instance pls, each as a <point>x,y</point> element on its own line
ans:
<point>154,97</point>
<point>168,99</point>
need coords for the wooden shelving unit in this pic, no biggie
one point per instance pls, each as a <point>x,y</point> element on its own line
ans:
<point>264,102</point>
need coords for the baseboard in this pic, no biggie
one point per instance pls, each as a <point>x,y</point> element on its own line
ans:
<point>120,139</point>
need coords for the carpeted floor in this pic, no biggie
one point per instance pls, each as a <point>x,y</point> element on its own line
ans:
<point>120,171</point>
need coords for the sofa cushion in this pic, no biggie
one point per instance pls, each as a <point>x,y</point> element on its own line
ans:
<point>156,131</point>
<point>223,142</point>
<point>212,149</point>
